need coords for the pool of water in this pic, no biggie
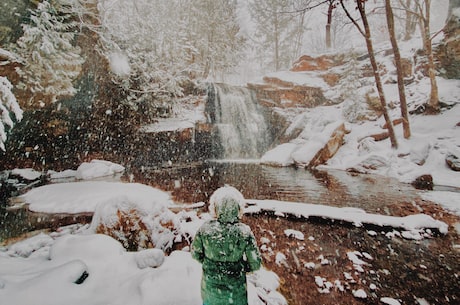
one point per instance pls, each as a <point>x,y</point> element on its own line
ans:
<point>255,181</point>
<point>196,182</point>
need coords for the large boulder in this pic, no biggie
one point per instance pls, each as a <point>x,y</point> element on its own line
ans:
<point>332,146</point>
<point>309,152</point>
<point>136,226</point>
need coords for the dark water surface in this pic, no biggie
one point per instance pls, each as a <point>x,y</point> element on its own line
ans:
<point>196,182</point>
<point>335,188</point>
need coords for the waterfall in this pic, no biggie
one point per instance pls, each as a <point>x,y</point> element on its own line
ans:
<point>240,121</point>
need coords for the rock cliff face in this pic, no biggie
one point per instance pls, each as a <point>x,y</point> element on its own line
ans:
<point>448,53</point>
<point>278,93</point>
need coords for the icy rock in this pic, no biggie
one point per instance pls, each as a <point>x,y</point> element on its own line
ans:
<point>27,173</point>
<point>319,281</point>
<point>280,259</point>
<point>371,163</point>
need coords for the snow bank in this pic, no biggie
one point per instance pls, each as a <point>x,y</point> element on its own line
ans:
<point>412,223</point>
<point>81,197</point>
<point>96,269</point>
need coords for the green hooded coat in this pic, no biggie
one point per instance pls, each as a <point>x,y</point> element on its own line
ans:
<point>227,250</point>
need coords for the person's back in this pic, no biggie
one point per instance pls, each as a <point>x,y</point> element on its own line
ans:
<point>227,250</point>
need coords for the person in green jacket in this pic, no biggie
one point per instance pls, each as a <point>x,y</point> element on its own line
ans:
<point>227,250</point>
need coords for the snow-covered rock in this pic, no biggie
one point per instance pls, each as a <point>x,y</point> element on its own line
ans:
<point>98,168</point>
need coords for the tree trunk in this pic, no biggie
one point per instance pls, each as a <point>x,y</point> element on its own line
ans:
<point>410,21</point>
<point>277,56</point>
<point>328,25</point>
<point>397,55</point>
<point>378,81</point>
<point>299,35</point>
<point>432,106</point>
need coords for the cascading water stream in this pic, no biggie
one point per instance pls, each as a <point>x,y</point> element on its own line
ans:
<point>241,124</point>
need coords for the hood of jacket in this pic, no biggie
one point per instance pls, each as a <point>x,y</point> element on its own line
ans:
<point>226,204</point>
<point>227,210</point>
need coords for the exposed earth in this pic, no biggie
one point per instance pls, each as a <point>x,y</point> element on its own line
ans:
<point>413,272</point>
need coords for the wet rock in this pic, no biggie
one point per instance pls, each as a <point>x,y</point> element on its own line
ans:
<point>453,162</point>
<point>331,147</point>
<point>424,182</point>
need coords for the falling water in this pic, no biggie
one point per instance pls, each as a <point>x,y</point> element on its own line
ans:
<point>241,124</point>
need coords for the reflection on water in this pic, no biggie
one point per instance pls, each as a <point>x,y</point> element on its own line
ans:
<point>335,188</point>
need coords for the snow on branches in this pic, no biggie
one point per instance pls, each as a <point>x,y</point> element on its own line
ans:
<point>8,106</point>
<point>51,61</point>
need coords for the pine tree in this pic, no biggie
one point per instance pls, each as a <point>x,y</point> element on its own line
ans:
<point>51,61</point>
<point>8,107</point>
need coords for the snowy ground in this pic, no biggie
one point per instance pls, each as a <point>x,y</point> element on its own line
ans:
<point>76,266</point>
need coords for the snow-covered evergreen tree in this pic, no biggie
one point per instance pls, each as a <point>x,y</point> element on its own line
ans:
<point>51,60</point>
<point>8,107</point>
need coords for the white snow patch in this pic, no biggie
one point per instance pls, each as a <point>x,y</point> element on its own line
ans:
<point>97,169</point>
<point>360,294</point>
<point>356,216</point>
<point>26,173</point>
<point>80,197</point>
<point>296,234</point>
<point>390,301</point>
